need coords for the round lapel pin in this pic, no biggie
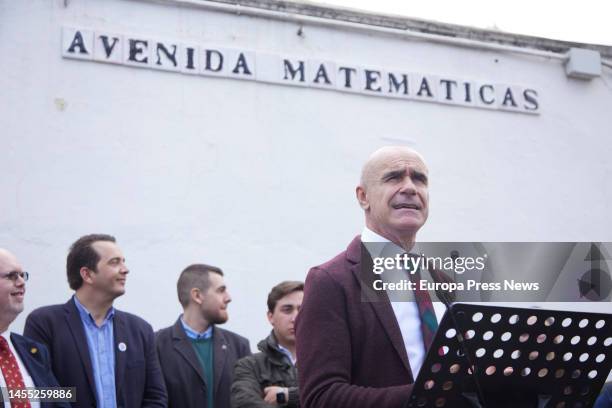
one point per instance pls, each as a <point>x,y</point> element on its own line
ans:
<point>33,350</point>
<point>122,346</point>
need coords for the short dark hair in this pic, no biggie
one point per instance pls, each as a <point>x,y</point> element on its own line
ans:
<point>194,276</point>
<point>281,290</point>
<point>82,254</point>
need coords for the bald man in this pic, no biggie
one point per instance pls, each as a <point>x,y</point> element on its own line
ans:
<point>353,353</point>
<point>29,357</point>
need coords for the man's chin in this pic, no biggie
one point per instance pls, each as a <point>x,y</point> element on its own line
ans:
<point>408,226</point>
<point>286,339</point>
<point>220,319</point>
<point>18,308</point>
<point>118,293</point>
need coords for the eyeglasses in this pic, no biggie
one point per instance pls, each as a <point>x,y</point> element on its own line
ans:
<point>14,275</point>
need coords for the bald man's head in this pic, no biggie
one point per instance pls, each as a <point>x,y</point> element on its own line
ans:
<point>8,261</point>
<point>393,192</point>
<point>12,288</point>
<point>381,157</point>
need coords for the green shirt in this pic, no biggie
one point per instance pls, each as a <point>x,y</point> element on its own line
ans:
<point>204,350</point>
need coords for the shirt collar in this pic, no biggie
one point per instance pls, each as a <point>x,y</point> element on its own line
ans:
<point>195,335</point>
<point>86,315</point>
<point>287,353</point>
<point>367,235</point>
<point>377,244</point>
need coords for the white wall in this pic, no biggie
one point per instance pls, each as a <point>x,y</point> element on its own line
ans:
<point>257,178</point>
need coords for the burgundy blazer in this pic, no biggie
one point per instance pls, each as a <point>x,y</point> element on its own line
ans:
<point>350,352</point>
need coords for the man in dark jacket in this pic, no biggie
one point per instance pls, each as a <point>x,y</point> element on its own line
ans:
<point>108,355</point>
<point>270,377</point>
<point>197,357</point>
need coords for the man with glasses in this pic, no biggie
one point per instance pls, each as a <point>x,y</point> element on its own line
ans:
<point>107,354</point>
<point>23,362</point>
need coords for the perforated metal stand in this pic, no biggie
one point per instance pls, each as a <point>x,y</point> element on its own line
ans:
<point>532,358</point>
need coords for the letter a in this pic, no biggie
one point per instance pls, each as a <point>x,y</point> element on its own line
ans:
<point>77,41</point>
<point>242,64</point>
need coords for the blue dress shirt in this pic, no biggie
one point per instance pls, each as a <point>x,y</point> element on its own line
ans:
<point>102,353</point>
<point>192,334</point>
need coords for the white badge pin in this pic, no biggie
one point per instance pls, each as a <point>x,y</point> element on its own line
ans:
<point>224,347</point>
<point>122,346</point>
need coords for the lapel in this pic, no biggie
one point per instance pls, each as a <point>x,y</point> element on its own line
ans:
<point>183,347</point>
<point>30,356</point>
<point>361,267</point>
<point>220,348</point>
<point>73,320</point>
<point>120,336</point>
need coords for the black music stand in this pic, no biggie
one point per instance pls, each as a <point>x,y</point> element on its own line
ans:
<point>520,358</point>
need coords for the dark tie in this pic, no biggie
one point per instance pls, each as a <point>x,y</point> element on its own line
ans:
<point>429,323</point>
<point>11,373</point>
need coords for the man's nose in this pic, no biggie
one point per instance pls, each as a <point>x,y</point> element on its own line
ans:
<point>408,186</point>
<point>20,280</point>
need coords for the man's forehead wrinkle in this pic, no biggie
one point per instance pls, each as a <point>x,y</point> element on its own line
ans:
<point>388,159</point>
<point>402,165</point>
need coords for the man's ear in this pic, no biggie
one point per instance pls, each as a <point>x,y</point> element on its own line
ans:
<point>362,197</point>
<point>86,274</point>
<point>269,314</point>
<point>195,295</point>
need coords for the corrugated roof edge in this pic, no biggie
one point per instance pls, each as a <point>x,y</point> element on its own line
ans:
<point>417,25</point>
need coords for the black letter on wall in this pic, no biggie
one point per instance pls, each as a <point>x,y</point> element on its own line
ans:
<point>241,63</point>
<point>322,73</point>
<point>468,96</point>
<point>190,54</point>
<point>108,48</point>
<point>448,84</point>
<point>509,97</point>
<point>77,41</point>
<point>395,84</point>
<point>482,95</point>
<point>424,87</point>
<point>372,78</point>
<point>531,97</point>
<point>138,47</point>
<point>293,71</point>
<point>171,56</point>
<point>209,67</point>
<point>347,75</point>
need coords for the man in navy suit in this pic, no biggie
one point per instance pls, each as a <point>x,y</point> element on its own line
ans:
<point>107,354</point>
<point>31,358</point>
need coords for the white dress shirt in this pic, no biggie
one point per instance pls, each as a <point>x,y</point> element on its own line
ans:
<point>407,316</point>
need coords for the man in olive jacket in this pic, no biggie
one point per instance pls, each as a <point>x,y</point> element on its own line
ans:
<point>270,377</point>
